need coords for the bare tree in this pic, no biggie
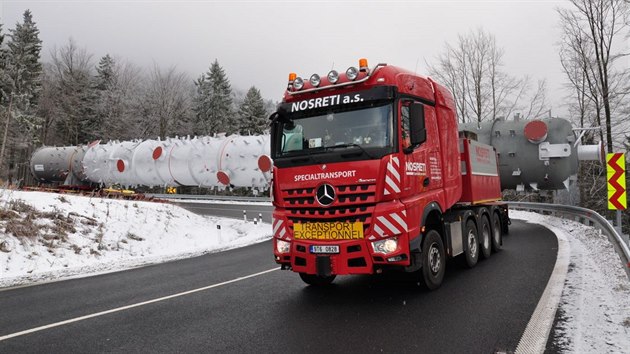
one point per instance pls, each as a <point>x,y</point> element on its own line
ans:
<point>165,107</point>
<point>473,71</point>
<point>590,31</point>
<point>70,77</point>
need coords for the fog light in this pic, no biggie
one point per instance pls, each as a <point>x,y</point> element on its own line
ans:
<point>333,76</point>
<point>315,80</point>
<point>385,246</point>
<point>298,83</point>
<point>395,259</point>
<point>283,246</point>
<point>352,73</point>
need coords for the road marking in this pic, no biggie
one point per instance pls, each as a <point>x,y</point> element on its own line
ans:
<point>77,319</point>
<point>534,339</point>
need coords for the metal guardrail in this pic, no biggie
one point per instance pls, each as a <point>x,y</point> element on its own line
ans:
<point>583,216</point>
<point>209,197</point>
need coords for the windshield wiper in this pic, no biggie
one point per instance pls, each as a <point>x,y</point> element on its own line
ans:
<point>351,145</point>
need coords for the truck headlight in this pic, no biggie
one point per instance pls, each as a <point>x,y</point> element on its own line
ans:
<point>385,246</point>
<point>283,246</point>
<point>352,73</point>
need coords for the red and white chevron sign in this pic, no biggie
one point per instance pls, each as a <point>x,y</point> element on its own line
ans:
<point>616,171</point>
<point>392,176</point>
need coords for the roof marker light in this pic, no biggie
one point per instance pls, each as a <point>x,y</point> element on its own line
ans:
<point>315,80</point>
<point>333,76</point>
<point>352,73</point>
<point>292,77</point>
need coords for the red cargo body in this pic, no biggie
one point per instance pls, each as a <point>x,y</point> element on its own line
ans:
<point>480,175</point>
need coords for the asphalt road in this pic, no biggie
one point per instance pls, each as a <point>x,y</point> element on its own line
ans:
<point>481,310</point>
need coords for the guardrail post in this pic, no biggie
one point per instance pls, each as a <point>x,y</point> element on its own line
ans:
<point>245,215</point>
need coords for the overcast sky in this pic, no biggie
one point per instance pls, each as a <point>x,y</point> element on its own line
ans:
<point>259,42</point>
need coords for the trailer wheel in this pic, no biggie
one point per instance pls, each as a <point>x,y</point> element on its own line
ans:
<point>471,253</point>
<point>316,280</point>
<point>433,260</point>
<point>497,234</point>
<point>486,235</point>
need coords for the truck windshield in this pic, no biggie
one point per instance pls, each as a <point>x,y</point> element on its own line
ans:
<point>366,128</point>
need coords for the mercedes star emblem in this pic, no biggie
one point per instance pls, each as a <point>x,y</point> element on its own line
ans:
<point>325,194</point>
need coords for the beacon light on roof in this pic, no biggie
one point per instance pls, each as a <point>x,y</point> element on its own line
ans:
<point>363,65</point>
<point>333,76</point>
<point>298,83</point>
<point>352,73</point>
<point>292,77</point>
<point>315,80</point>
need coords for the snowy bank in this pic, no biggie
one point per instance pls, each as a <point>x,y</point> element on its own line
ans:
<point>46,236</point>
<point>594,310</point>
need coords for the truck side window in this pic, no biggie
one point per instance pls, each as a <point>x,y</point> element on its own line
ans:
<point>404,118</point>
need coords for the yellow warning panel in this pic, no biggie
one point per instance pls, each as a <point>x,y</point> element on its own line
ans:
<point>328,231</point>
<point>616,173</point>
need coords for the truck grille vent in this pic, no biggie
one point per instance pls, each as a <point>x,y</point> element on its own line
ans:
<point>354,203</point>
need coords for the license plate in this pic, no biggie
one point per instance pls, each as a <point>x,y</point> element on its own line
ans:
<point>324,249</point>
<point>329,231</point>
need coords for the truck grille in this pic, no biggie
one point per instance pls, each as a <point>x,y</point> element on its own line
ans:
<point>353,203</point>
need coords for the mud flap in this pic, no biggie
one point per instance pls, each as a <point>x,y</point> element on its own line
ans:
<point>323,266</point>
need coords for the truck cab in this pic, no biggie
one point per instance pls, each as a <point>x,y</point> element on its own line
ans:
<point>364,167</point>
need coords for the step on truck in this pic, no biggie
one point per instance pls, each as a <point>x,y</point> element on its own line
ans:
<point>371,174</point>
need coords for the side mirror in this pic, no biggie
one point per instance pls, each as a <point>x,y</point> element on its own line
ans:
<point>417,129</point>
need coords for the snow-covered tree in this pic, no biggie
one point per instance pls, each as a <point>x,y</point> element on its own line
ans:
<point>165,106</point>
<point>252,114</point>
<point>75,102</point>
<point>21,81</point>
<point>213,106</point>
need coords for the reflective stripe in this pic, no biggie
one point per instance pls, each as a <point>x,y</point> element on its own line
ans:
<point>389,225</point>
<point>400,220</point>
<point>378,230</point>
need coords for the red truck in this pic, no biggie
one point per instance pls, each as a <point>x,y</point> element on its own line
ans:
<point>371,174</point>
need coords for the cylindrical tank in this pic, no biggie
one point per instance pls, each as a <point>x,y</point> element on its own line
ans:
<point>58,164</point>
<point>238,161</point>
<point>533,154</point>
<point>537,154</point>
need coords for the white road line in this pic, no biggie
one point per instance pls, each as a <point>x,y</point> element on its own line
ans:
<point>77,319</point>
<point>534,339</point>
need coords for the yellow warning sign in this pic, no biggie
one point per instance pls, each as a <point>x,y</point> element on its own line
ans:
<point>616,172</point>
<point>328,231</point>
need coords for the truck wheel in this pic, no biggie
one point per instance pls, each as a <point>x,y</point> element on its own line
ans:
<point>433,260</point>
<point>471,254</point>
<point>497,235</point>
<point>486,235</point>
<point>316,280</point>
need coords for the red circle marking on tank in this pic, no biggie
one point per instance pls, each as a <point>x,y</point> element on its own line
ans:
<point>157,152</point>
<point>223,178</point>
<point>536,131</point>
<point>264,163</point>
<point>120,165</point>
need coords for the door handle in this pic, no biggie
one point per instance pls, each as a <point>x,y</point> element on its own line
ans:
<point>426,181</point>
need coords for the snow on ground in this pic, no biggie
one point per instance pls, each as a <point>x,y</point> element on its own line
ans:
<point>46,236</point>
<point>594,311</point>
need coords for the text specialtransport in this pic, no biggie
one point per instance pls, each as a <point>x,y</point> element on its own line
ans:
<point>324,175</point>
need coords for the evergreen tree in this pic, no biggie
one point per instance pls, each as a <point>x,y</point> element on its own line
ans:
<point>24,71</point>
<point>213,106</point>
<point>22,84</point>
<point>252,114</point>
<point>105,75</point>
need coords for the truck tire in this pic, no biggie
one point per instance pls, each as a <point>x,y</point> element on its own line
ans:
<point>433,260</point>
<point>486,236</point>
<point>316,280</point>
<point>497,233</point>
<point>471,252</point>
